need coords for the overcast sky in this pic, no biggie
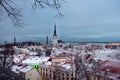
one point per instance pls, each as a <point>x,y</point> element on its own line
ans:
<point>82,20</point>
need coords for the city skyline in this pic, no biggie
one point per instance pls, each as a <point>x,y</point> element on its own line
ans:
<point>87,20</point>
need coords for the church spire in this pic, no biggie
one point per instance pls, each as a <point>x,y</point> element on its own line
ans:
<point>55,30</point>
<point>14,40</point>
<point>55,41</point>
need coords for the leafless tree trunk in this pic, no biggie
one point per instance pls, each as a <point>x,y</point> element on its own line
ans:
<point>81,72</point>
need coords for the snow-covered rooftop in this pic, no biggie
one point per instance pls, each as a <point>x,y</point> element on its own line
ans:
<point>19,57</point>
<point>26,69</point>
<point>33,53</point>
<point>35,60</point>
<point>67,66</point>
<point>107,54</point>
<point>16,68</point>
<point>1,49</point>
<point>36,47</point>
<point>48,63</point>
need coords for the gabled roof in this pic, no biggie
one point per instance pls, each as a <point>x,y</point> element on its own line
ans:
<point>111,66</point>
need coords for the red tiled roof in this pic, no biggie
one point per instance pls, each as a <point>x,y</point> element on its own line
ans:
<point>113,67</point>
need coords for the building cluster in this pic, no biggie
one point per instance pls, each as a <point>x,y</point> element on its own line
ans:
<point>62,61</point>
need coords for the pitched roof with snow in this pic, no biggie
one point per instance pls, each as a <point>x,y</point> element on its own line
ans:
<point>35,60</point>
<point>26,69</point>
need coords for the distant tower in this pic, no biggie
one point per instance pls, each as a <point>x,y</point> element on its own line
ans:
<point>14,40</point>
<point>47,40</point>
<point>55,40</point>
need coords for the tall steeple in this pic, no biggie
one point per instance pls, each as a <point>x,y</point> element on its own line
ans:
<point>14,40</point>
<point>55,34</point>
<point>55,40</point>
<point>47,40</point>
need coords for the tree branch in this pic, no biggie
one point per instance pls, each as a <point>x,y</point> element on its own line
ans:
<point>9,8</point>
<point>12,12</point>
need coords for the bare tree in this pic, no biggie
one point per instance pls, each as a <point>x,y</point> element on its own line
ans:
<point>7,74</point>
<point>81,72</point>
<point>6,56</point>
<point>10,8</point>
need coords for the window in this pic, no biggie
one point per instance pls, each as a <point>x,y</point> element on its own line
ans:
<point>63,74</point>
<point>63,78</point>
<point>71,78</point>
<point>28,79</point>
<point>43,73</point>
<point>46,74</point>
<point>54,77</point>
<point>54,72</point>
<point>43,69</point>
<point>67,78</point>
<point>58,77</point>
<point>50,75</point>
<point>72,74</point>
